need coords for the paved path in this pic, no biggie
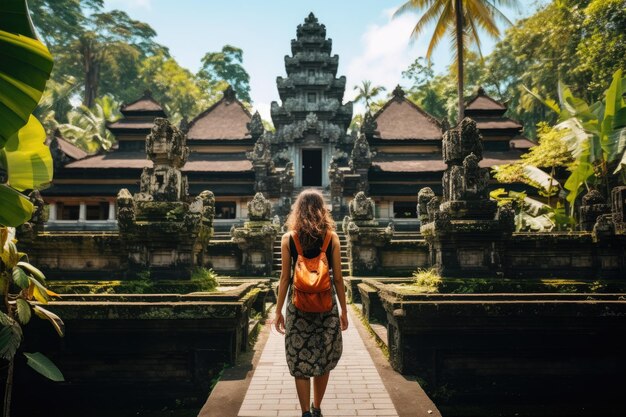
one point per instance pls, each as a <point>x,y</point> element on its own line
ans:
<point>354,388</point>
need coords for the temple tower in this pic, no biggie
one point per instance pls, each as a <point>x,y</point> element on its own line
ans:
<point>312,121</point>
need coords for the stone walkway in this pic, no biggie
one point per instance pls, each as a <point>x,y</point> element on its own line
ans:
<point>355,387</point>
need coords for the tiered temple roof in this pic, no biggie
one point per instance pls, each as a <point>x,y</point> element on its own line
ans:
<point>311,87</point>
<point>499,132</point>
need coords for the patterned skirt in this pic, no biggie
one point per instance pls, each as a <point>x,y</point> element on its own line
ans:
<point>313,343</point>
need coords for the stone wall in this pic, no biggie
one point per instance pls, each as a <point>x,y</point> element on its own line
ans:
<point>506,354</point>
<point>136,351</point>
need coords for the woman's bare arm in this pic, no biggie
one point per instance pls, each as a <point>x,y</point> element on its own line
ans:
<point>285,276</point>
<point>337,276</point>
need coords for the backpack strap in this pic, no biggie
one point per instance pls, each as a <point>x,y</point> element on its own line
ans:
<point>296,241</point>
<point>326,241</point>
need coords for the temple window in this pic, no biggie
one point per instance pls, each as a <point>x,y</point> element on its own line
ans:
<point>68,211</point>
<point>404,210</point>
<point>98,211</point>
<point>225,209</point>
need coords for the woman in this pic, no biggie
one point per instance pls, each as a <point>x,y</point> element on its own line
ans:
<point>313,343</point>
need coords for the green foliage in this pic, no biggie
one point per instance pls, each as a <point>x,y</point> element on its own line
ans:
<point>44,366</point>
<point>206,278</point>
<point>550,153</point>
<point>226,68</point>
<point>532,215</point>
<point>427,280</point>
<point>367,92</point>
<point>28,282</point>
<point>87,127</point>
<point>25,65</point>
<point>595,135</point>
<point>181,92</point>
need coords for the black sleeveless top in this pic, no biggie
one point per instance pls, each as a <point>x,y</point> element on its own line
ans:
<point>312,252</point>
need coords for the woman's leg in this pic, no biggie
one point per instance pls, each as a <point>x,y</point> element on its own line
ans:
<point>303,388</point>
<point>319,388</point>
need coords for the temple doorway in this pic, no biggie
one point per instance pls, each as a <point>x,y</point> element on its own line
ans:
<point>311,167</point>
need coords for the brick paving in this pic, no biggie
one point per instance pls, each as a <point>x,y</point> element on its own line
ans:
<point>355,387</point>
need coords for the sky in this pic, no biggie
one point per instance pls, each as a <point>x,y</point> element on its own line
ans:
<point>370,44</point>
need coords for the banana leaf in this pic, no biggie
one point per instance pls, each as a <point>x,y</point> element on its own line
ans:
<point>16,209</point>
<point>25,66</point>
<point>27,158</point>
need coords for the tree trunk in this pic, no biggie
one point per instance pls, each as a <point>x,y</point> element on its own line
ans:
<point>91,68</point>
<point>8,389</point>
<point>459,55</point>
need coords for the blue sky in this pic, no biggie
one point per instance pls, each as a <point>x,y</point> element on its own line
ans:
<point>369,43</point>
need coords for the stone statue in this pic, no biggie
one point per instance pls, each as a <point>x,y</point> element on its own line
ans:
<point>362,207</point>
<point>125,209</point>
<point>593,206</point>
<point>423,197</point>
<point>361,156</point>
<point>369,125</point>
<point>259,208</point>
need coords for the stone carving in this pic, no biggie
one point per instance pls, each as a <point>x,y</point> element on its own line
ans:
<point>125,210</point>
<point>593,206</point>
<point>618,209</point>
<point>256,237</point>
<point>255,127</point>
<point>59,159</point>
<point>398,93</point>
<point>369,126</point>
<point>364,236</point>
<point>161,228</point>
<point>29,230</point>
<point>259,208</point>
<point>467,232</point>
<point>230,94</point>
<point>361,156</point>
<point>362,207</point>
<point>423,198</point>
<point>336,188</point>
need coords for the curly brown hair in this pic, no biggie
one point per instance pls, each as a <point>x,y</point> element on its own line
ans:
<point>310,218</point>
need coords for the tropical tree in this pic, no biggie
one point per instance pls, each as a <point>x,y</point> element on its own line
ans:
<point>25,66</point>
<point>595,135</point>
<point>87,128</point>
<point>224,68</point>
<point>25,163</point>
<point>181,92</point>
<point>367,92</point>
<point>461,19</point>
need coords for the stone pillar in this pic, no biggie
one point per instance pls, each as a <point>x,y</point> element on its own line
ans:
<point>336,190</point>
<point>467,232</point>
<point>256,237</point>
<point>111,211</point>
<point>361,161</point>
<point>163,229</point>
<point>52,211</point>
<point>618,209</point>
<point>82,212</point>
<point>593,206</point>
<point>364,237</point>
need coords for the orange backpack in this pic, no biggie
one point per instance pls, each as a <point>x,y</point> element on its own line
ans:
<point>311,291</point>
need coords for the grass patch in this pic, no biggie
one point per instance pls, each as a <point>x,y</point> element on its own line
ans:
<point>427,280</point>
<point>206,279</point>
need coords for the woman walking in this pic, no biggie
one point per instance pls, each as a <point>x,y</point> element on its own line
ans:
<point>313,342</point>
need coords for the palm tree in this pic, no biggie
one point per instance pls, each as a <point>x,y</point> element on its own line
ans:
<point>367,92</point>
<point>460,19</point>
<point>87,127</point>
